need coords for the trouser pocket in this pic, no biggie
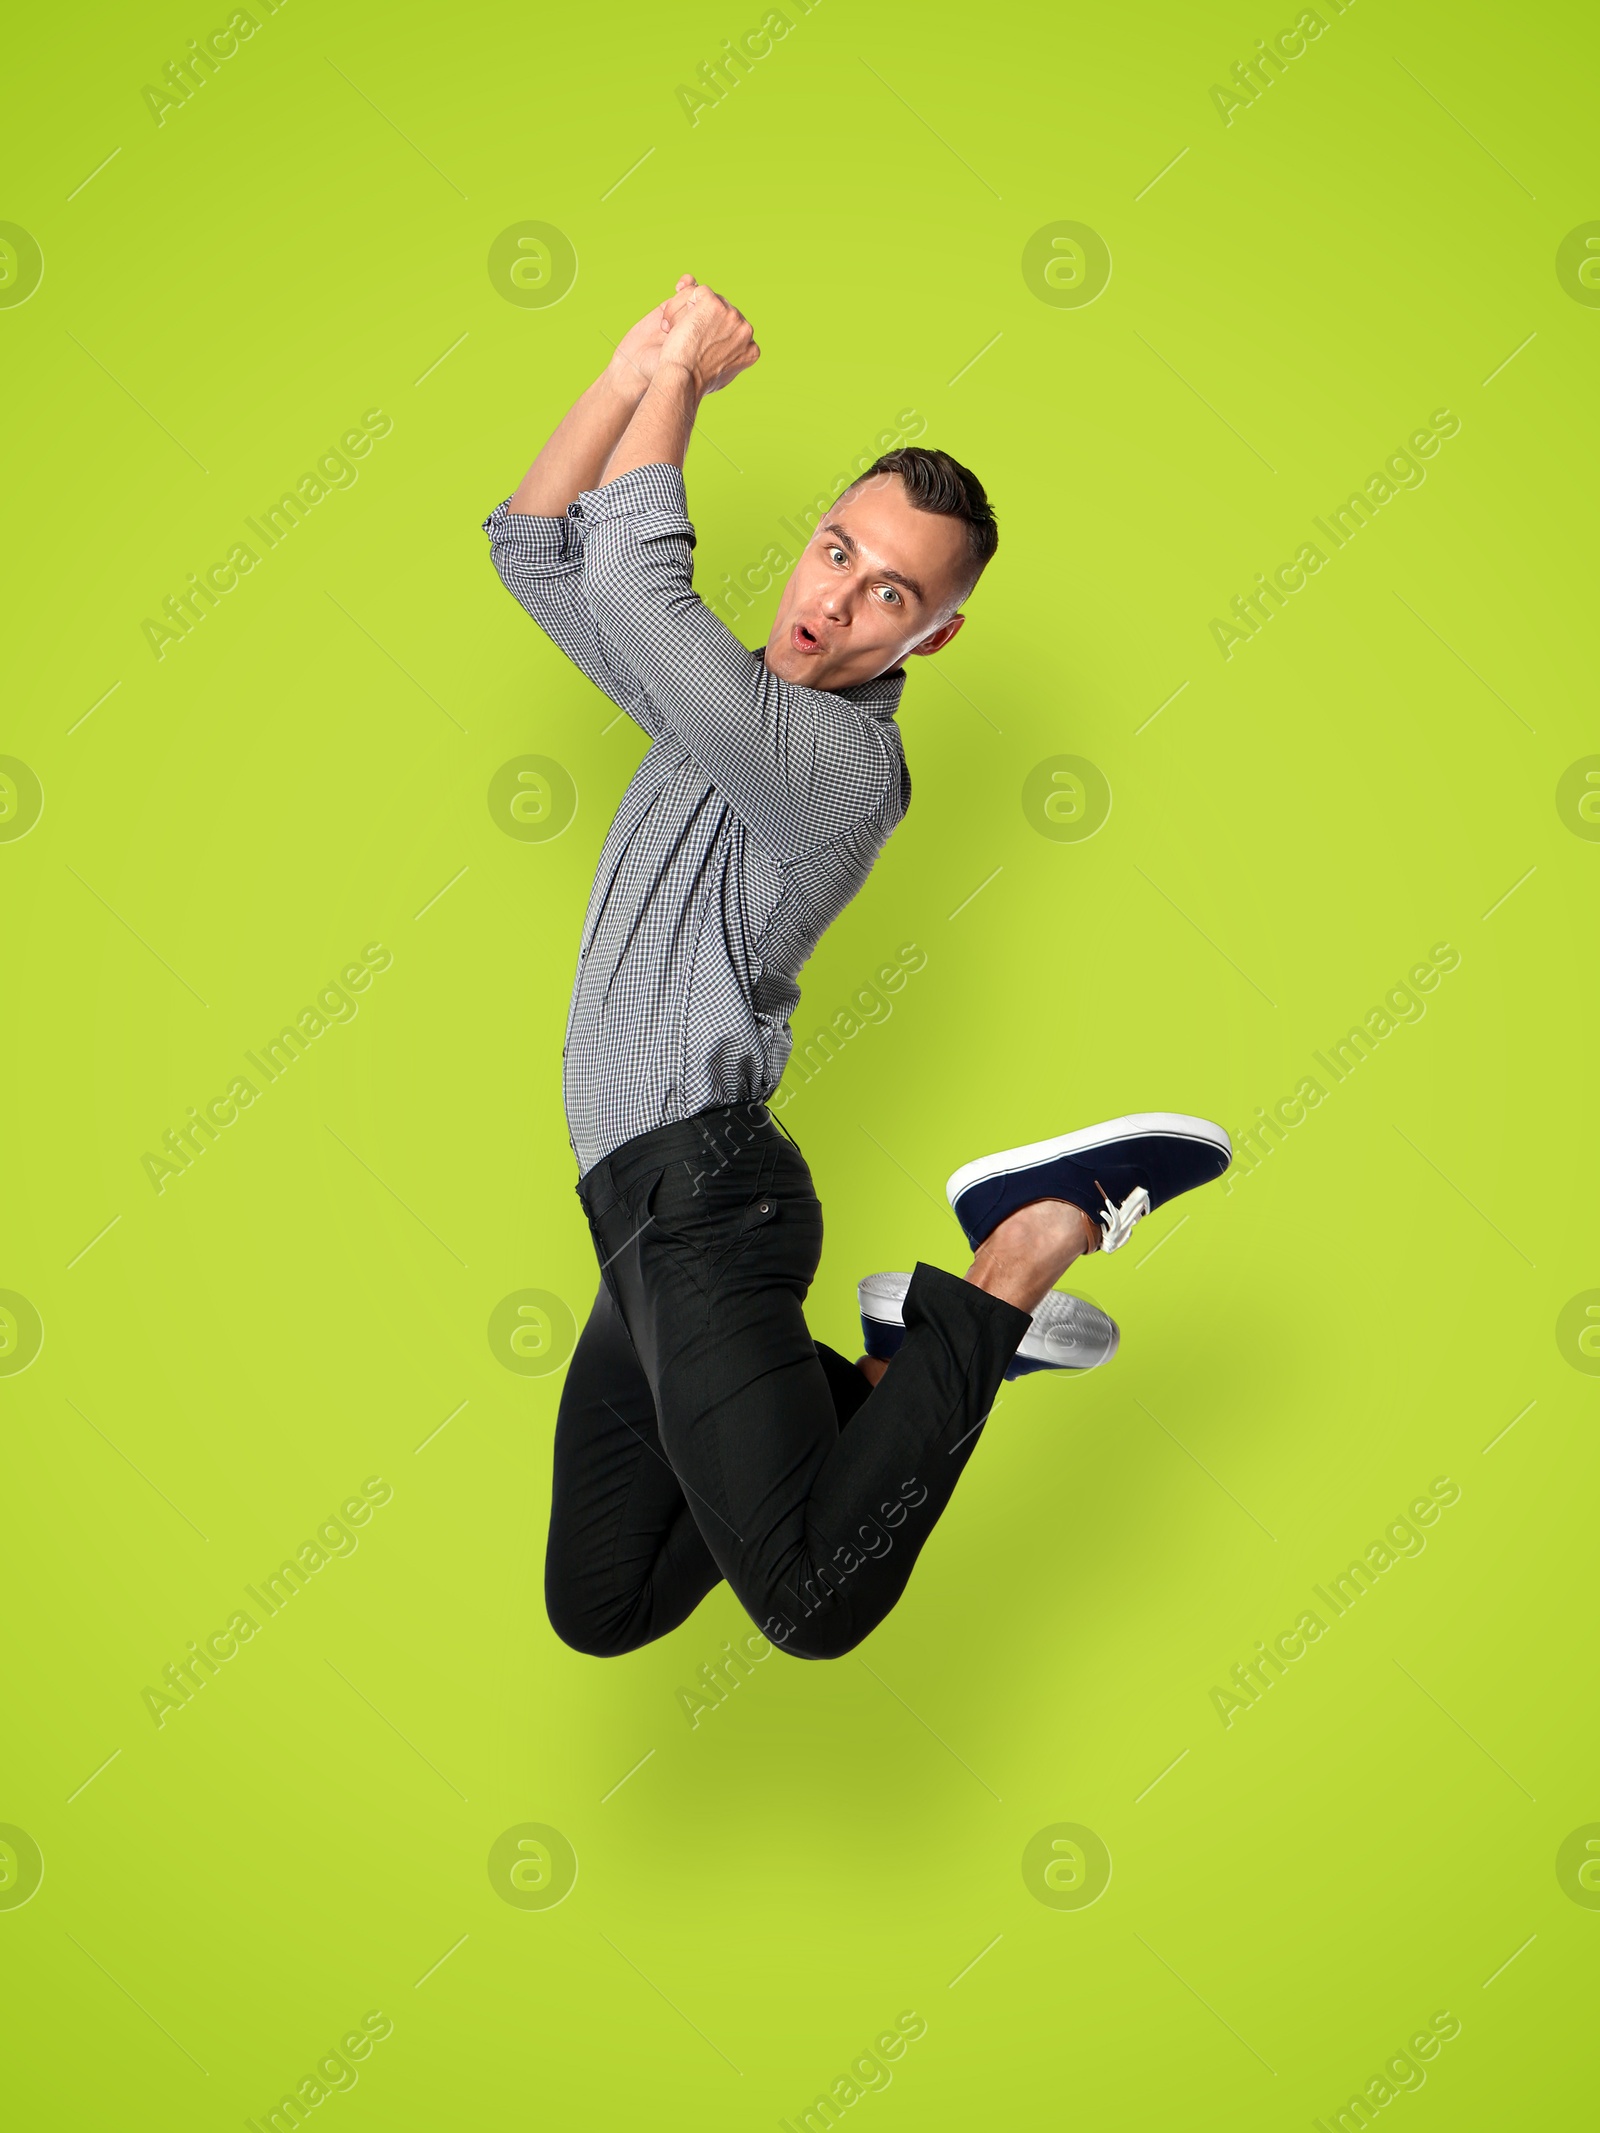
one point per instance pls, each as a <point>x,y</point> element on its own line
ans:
<point>702,1212</point>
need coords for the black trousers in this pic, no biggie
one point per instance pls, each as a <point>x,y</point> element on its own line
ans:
<point>703,1434</point>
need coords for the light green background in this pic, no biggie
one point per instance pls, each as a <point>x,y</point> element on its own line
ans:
<point>760,1895</point>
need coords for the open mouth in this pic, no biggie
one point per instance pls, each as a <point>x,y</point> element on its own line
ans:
<point>804,640</point>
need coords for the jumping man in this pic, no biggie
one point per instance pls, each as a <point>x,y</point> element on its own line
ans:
<point>703,1434</point>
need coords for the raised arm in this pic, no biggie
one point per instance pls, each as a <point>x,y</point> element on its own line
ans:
<point>707,345</point>
<point>800,766</point>
<point>575,457</point>
<point>538,549</point>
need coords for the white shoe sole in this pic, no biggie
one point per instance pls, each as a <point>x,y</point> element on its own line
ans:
<point>1067,1333</point>
<point>1174,1125</point>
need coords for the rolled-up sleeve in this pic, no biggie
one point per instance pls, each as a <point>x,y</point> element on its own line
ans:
<point>540,563</point>
<point>800,766</point>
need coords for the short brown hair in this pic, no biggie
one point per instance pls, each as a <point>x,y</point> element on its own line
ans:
<point>936,482</point>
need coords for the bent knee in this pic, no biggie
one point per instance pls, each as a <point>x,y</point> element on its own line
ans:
<point>591,1634</point>
<point>822,1637</point>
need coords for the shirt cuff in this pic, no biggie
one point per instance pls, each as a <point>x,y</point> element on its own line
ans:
<point>643,490</point>
<point>535,543</point>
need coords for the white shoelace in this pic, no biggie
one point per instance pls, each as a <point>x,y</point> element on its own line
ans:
<point>1117,1222</point>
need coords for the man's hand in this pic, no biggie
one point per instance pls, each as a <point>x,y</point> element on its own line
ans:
<point>709,339</point>
<point>591,444</point>
<point>634,364</point>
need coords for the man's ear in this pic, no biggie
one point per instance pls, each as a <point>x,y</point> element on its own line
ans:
<point>936,640</point>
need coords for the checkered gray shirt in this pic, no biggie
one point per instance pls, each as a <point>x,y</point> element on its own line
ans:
<point>752,821</point>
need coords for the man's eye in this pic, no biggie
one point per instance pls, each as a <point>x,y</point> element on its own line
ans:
<point>889,593</point>
<point>836,550</point>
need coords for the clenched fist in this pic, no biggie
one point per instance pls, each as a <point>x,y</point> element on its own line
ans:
<point>708,338</point>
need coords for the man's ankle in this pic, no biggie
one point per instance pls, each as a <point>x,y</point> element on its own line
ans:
<point>1022,1259</point>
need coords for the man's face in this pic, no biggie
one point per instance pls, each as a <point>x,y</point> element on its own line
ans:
<point>877,580</point>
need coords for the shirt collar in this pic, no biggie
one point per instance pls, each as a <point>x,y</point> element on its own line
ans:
<point>881,695</point>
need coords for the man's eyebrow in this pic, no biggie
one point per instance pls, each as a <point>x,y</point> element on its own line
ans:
<point>895,577</point>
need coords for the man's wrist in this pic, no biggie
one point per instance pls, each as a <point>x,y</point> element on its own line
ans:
<point>674,370</point>
<point>621,383</point>
<point>660,427</point>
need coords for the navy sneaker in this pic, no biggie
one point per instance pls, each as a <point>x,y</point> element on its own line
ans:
<point>1067,1333</point>
<point>1117,1173</point>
